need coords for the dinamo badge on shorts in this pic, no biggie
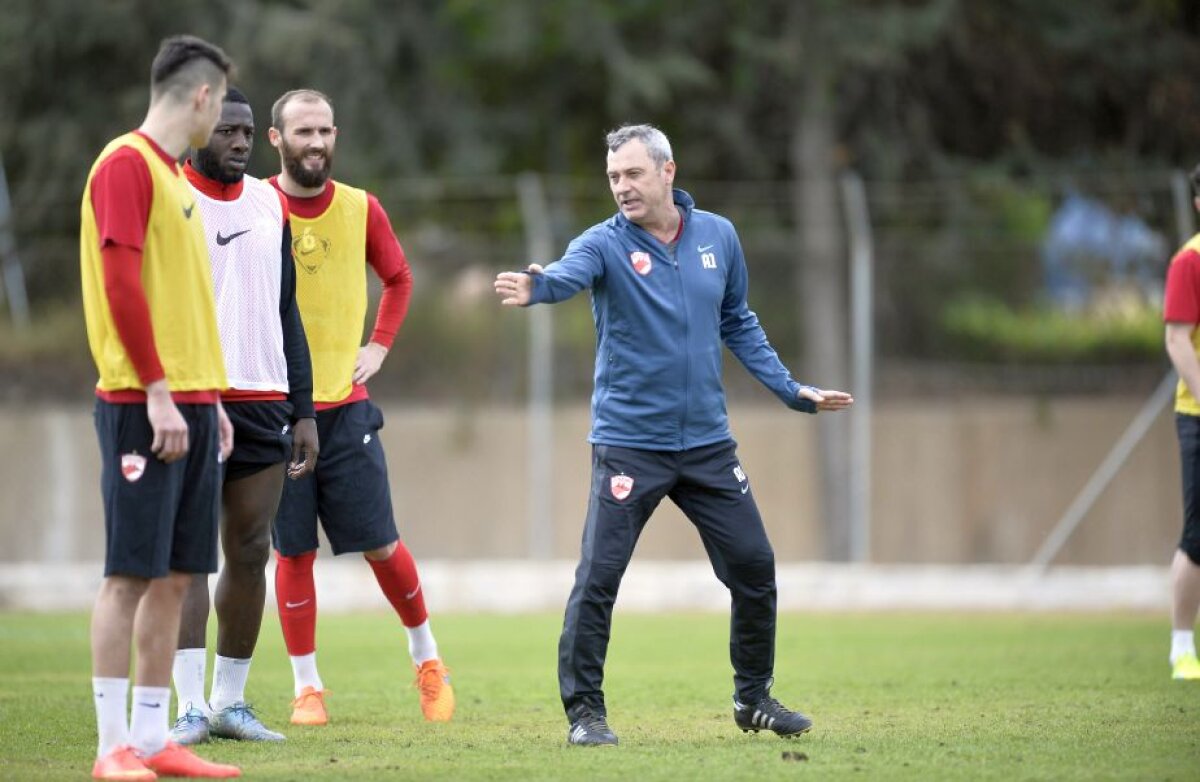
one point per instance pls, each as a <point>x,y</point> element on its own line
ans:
<point>641,262</point>
<point>620,486</point>
<point>133,466</point>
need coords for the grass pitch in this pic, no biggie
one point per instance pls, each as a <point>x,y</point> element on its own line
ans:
<point>913,697</point>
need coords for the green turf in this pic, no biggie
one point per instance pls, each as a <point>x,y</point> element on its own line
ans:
<point>920,697</point>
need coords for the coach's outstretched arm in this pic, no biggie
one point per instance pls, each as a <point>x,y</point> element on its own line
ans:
<point>580,267</point>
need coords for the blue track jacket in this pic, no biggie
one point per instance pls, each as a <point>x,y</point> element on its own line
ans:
<point>661,315</point>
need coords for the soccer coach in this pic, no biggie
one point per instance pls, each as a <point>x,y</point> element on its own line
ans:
<point>668,286</point>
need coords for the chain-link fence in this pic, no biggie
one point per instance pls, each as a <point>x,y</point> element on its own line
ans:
<point>1033,284</point>
<point>1037,284</point>
<point>1029,286</point>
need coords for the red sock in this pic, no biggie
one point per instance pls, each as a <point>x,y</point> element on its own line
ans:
<point>296,594</point>
<point>397,577</point>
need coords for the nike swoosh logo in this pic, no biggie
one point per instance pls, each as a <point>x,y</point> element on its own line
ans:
<point>745,488</point>
<point>150,705</point>
<point>187,211</point>
<point>705,247</point>
<point>224,240</point>
<point>413,593</point>
<point>290,604</point>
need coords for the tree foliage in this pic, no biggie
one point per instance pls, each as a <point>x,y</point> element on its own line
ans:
<point>476,88</point>
<point>461,95</point>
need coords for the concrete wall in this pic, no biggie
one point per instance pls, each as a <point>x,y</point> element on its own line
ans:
<point>978,480</point>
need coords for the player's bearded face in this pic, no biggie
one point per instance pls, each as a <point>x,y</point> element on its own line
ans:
<point>308,166</point>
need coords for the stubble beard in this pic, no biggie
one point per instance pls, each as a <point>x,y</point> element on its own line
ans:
<point>209,165</point>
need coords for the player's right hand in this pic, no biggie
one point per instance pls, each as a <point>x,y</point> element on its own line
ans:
<point>170,429</point>
<point>224,433</point>
<point>516,288</point>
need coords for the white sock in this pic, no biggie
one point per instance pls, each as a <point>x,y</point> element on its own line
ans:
<point>229,681</point>
<point>150,720</point>
<point>304,669</point>
<point>110,697</point>
<point>421,645</point>
<point>188,674</point>
<point>1182,642</point>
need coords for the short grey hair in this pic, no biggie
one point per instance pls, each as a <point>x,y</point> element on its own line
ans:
<point>655,140</point>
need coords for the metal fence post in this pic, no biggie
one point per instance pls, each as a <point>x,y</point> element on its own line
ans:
<point>535,214</point>
<point>14,274</point>
<point>858,219</point>
<point>1137,429</point>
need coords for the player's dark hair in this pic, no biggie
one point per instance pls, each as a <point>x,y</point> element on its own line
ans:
<point>184,61</point>
<point>306,95</point>
<point>234,95</point>
<point>1194,177</point>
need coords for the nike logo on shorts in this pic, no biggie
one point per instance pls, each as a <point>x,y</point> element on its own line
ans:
<point>224,240</point>
<point>290,604</point>
<point>187,211</point>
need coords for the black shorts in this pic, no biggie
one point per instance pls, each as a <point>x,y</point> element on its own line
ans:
<point>348,491</point>
<point>1188,429</point>
<point>262,436</point>
<point>158,517</point>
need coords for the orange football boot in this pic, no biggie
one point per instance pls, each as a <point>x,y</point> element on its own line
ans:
<point>122,763</point>
<point>309,707</point>
<point>437,696</point>
<point>176,760</point>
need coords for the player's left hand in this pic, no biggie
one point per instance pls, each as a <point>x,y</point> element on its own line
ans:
<point>304,448</point>
<point>370,359</point>
<point>225,431</point>
<point>826,399</point>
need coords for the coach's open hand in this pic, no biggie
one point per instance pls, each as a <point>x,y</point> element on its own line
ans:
<point>515,288</point>
<point>826,399</point>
